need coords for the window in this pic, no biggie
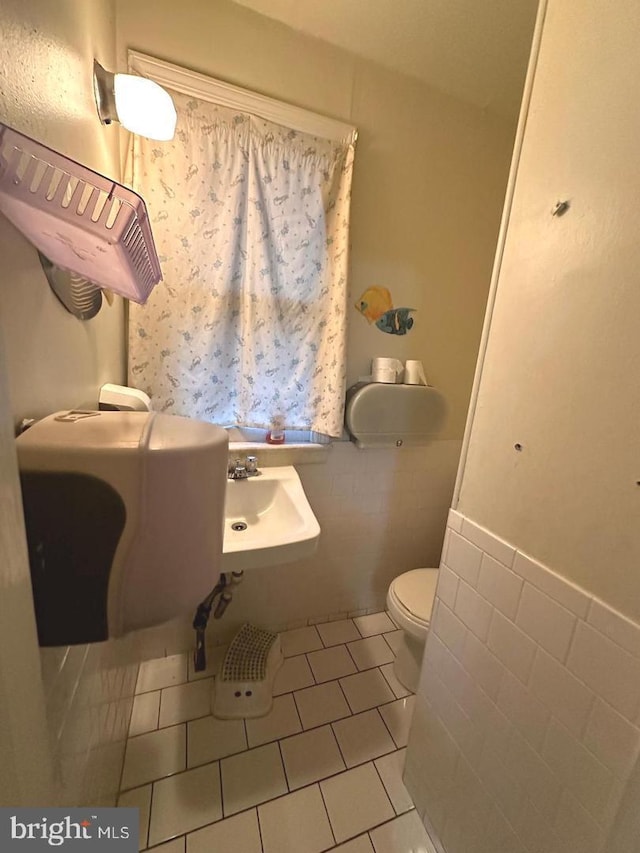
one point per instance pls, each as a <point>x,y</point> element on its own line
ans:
<point>250,216</point>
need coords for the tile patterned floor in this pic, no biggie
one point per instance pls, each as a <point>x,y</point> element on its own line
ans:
<point>322,771</point>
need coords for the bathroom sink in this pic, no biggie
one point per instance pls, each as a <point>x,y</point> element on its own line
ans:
<point>268,521</point>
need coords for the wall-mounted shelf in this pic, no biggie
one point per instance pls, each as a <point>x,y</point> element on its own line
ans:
<point>80,220</point>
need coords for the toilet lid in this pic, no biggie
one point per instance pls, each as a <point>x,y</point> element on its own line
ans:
<point>416,590</point>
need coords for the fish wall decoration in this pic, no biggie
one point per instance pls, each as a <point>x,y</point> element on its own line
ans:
<point>376,305</point>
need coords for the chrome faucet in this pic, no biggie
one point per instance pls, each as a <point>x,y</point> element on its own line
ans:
<point>238,470</point>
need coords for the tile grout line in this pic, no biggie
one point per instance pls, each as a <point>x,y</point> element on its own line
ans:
<point>345,697</point>
<point>284,768</point>
<point>295,705</point>
<point>246,738</point>
<point>153,790</point>
<point>298,713</point>
<point>124,761</point>
<point>313,675</point>
<point>160,703</point>
<point>186,745</point>
<point>286,737</point>
<point>384,723</point>
<point>335,737</point>
<point>346,645</point>
<point>387,643</point>
<point>221,789</point>
<point>326,811</point>
<point>259,827</point>
<point>324,645</point>
<point>384,787</point>
<point>387,681</point>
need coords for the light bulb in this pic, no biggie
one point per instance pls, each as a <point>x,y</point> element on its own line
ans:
<point>144,107</point>
<point>139,104</point>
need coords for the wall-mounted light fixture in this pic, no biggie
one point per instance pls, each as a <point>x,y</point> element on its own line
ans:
<point>139,104</point>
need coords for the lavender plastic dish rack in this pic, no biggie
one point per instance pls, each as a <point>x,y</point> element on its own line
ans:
<point>80,220</point>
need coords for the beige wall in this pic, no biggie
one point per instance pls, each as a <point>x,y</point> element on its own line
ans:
<point>53,360</point>
<point>560,375</point>
<point>428,184</point>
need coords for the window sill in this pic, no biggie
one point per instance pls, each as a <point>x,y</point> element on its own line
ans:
<point>271,455</point>
<point>300,446</point>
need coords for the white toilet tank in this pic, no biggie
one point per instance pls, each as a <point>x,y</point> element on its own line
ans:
<point>124,518</point>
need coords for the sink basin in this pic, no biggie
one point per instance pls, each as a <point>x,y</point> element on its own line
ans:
<point>268,521</point>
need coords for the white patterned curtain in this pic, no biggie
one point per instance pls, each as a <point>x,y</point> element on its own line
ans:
<point>251,222</point>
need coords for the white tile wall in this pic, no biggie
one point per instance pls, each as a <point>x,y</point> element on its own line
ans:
<point>561,692</point>
<point>473,610</point>
<point>511,646</point>
<point>499,585</point>
<point>547,622</point>
<point>89,697</point>
<point>464,556</point>
<point>526,726</point>
<point>609,670</point>
<point>522,708</point>
<point>487,669</point>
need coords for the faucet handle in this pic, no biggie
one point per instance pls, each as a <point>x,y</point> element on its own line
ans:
<point>251,464</point>
<point>236,470</point>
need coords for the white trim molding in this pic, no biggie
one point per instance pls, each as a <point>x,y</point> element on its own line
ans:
<point>217,91</point>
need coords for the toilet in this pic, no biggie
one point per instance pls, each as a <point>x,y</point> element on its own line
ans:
<point>410,601</point>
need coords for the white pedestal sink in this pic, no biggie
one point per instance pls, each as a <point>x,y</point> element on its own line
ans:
<point>268,521</point>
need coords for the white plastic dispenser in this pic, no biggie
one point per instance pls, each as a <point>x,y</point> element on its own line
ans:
<point>121,398</point>
<point>124,516</point>
<point>389,415</point>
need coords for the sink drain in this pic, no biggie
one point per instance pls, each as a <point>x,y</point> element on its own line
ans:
<point>238,526</point>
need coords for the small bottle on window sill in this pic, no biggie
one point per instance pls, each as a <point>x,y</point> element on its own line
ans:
<point>276,433</point>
